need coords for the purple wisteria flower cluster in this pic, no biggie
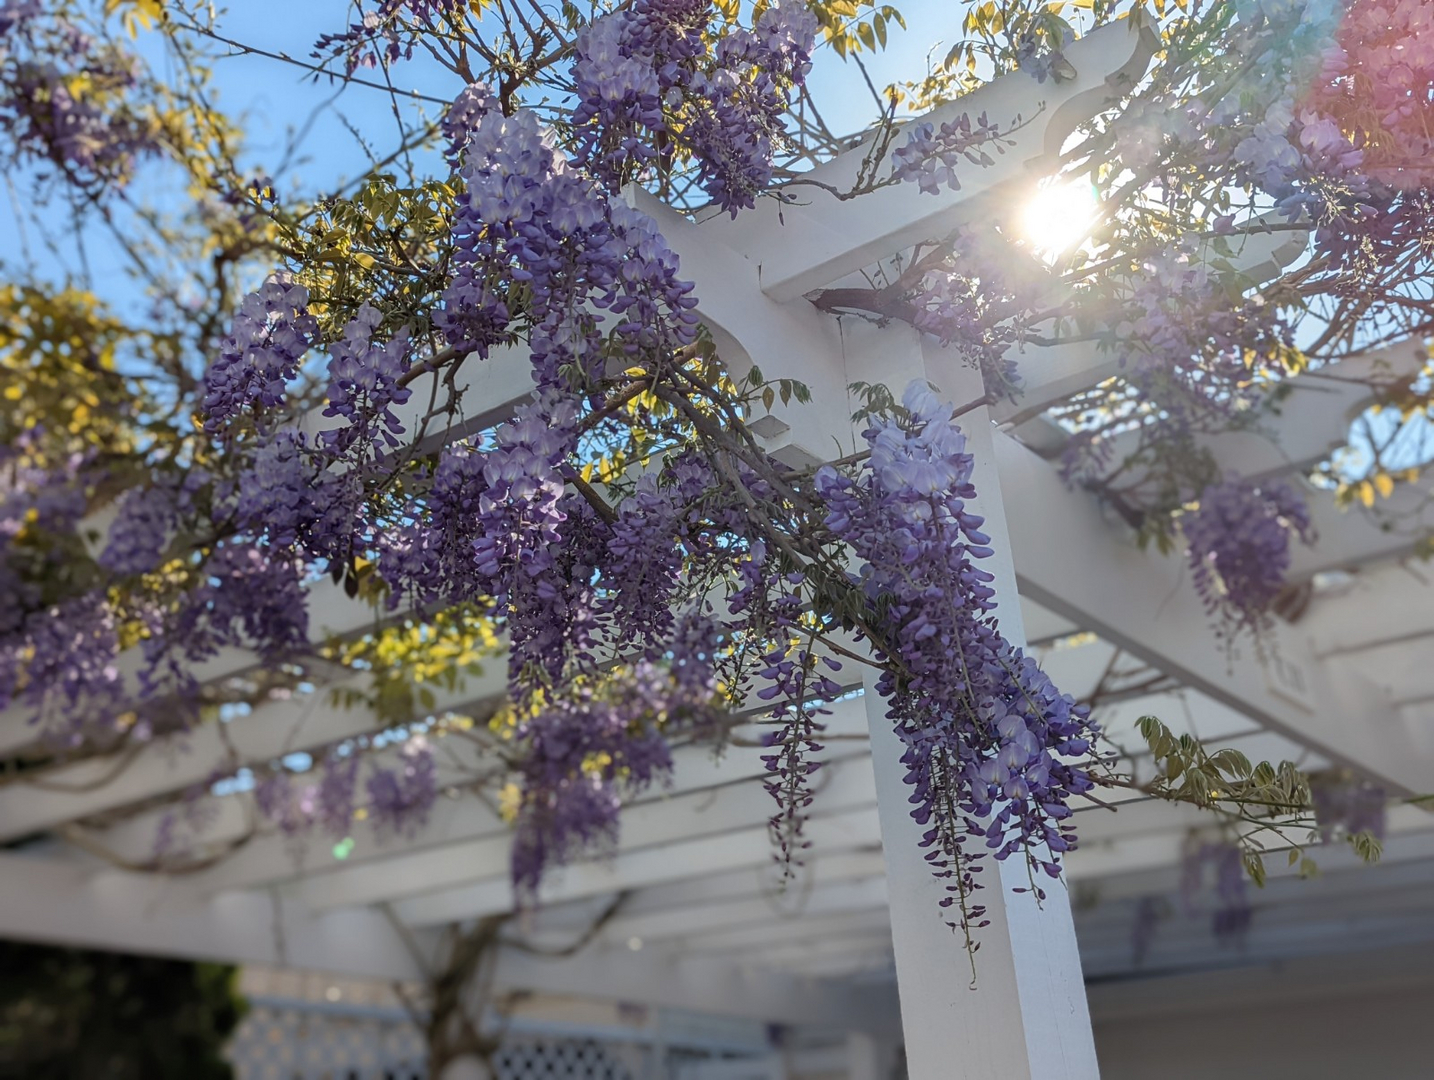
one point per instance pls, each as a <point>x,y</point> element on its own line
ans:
<point>932,156</point>
<point>977,306</point>
<point>398,791</point>
<point>62,98</point>
<point>1043,59</point>
<point>290,505</point>
<point>573,589</point>
<point>140,530</point>
<point>272,331</point>
<point>365,383</point>
<point>1189,339</point>
<point>57,651</point>
<point>387,34</point>
<point>1345,805</point>
<point>587,752</point>
<point>993,749</point>
<point>1212,877</point>
<point>537,238</point>
<point>650,92</point>
<point>1238,545</point>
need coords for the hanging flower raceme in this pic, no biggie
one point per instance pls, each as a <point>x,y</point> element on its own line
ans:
<point>63,98</point>
<point>932,156</point>
<point>1376,86</point>
<point>645,557</point>
<point>1238,544</point>
<point>975,304</point>
<point>606,740</point>
<point>1346,805</point>
<point>649,90</point>
<point>1184,329</point>
<point>140,530</point>
<point>272,331</point>
<point>68,665</point>
<point>401,797</point>
<point>1212,875</point>
<point>250,595</point>
<point>364,384</point>
<point>989,740</point>
<point>538,240</point>
<point>432,562</point>
<point>529,552</point>
<point>397,795</point>
<point>58,649</point>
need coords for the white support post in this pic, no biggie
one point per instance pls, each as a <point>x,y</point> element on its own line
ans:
<point>1026,1017</point>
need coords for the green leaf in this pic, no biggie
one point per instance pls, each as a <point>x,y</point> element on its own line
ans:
<point>1232,763</point>
<point>1367,846</point>
<point>1254,866</point>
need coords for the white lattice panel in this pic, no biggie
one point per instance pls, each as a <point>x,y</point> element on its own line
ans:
<point>286,1044</point>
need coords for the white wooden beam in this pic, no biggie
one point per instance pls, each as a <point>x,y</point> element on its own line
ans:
<point>1184,711</point>
<point>1401,669</point>
<point>679,923</point>
<point>1306,419</point>
<point>701,984</point>
<point>1043,625</point>
<point>1381,606</point>
<point>1408,837</point>
<point>818,238</point>
<point>1355,537</point>
<point>1312,413</point>
<point>874,957</point>
<point>633,869</point>
<point>755,941</point>
<point>172,763</point>
<point>866,1058</point>
<point>1070,559</point>
<point>1295,981</point>
<point>822,870</point>
<point>1061,370</point>
<point>871,935</point>
<point>71,904</point>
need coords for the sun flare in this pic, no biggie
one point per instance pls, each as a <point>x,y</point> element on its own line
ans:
<point>1059,216</point>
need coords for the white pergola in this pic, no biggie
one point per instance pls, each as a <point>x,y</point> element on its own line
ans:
<point>703,925</point>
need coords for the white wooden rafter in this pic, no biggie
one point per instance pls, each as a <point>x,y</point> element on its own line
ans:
<point>46,899</point>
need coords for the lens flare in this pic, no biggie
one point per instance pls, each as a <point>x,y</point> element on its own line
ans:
<point>1059,216</point>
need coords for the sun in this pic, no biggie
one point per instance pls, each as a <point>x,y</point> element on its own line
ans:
<point>1059,216</point>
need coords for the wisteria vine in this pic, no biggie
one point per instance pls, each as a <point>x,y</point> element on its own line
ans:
<point>654,577</point>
